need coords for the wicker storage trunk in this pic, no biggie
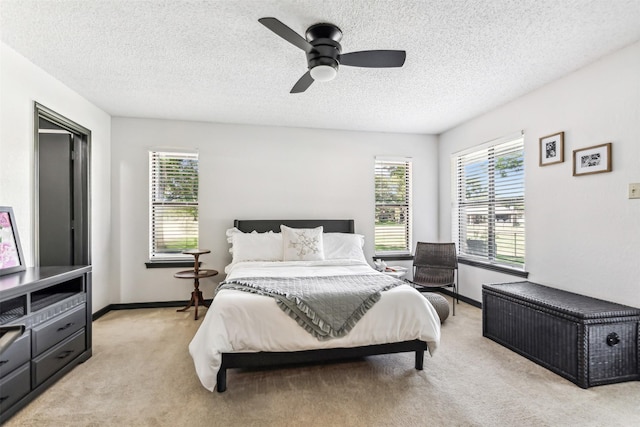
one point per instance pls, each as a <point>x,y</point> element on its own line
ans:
<point>586,340</point>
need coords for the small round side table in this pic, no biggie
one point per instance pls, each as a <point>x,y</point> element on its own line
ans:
<point>196,274</point>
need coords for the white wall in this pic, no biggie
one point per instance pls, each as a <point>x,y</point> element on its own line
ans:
<point>253,172</point>
<point>22,83</point>
<point>583,233</point>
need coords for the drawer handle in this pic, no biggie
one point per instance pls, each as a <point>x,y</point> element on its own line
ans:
<point>3,398</point>
<point>2,362</point>
<point>613,339</point>
<point>65,327</point>
<point>64,354</point>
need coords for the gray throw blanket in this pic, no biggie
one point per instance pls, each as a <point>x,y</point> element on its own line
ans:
<point>326,307</point>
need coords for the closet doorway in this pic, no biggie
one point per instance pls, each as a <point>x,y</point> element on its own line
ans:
<point>62,213</point>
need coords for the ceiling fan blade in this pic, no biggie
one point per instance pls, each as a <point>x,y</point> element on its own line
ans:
<point>286,33</point>
<point>374,58</point>
<point>302,84</point>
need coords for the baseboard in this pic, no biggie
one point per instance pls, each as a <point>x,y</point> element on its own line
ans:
<point>462,298</point>
<point>131,306</point>
<point>98,314</point>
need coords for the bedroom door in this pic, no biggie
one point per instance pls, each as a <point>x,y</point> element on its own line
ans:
<point>62,191</point>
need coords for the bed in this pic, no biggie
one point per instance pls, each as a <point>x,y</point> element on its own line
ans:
<point>247,330</point>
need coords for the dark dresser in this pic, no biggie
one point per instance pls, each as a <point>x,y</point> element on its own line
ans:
<point>54,305</point>
<point>586,340</point>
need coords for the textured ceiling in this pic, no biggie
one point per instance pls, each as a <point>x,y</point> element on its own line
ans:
<point>212,60</point>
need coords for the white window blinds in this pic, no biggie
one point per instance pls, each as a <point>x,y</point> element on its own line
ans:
<point>173,184</point>
<point>489,203</point>
<point>393,206</point>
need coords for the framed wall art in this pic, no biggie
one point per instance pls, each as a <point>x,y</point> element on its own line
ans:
<point>11,258</point>
<point>596,159</point>
<point>552,149</point>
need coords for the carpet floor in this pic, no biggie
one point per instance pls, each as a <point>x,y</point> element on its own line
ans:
<point>141,374</point>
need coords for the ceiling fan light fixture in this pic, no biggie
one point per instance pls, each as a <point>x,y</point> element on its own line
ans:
<point>324,52</point>
<point>323,73</point>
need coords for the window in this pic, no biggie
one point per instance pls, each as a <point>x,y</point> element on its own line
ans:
<point>489,203</point>
<point>173,183</point>
<point>393,206</point>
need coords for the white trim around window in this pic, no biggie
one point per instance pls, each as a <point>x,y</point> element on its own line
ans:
<point>173,204</point>
<point>488,212</point>
<point>393,206</point>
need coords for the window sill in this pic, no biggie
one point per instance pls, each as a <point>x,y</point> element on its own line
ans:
<point>395,257</point>
<point>494,267</point>
<point>170,264</point>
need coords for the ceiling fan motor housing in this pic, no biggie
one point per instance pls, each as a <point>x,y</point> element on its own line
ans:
<point>326,50</point>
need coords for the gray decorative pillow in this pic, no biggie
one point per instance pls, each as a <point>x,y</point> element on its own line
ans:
<point>302,244</point>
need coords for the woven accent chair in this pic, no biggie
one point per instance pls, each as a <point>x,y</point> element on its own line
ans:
<point>436,266</point>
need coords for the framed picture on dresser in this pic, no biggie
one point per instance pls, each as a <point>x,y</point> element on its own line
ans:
<point>11,258</point>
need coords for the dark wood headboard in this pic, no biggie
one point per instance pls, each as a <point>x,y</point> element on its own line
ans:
<point>264,225</point>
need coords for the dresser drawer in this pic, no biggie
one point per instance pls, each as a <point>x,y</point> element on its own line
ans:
<point>54,331</point>
<point>53,360</point>
<point>14,386</point>
<point>18,353</point>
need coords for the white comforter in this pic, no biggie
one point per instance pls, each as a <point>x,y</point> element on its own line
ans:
<point>244,322</point>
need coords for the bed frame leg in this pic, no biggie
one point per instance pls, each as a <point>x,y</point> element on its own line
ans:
<point>419,359</point>
<point>221,385</point>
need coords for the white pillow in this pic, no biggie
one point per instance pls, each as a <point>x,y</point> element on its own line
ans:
<point>302,244</point>
<point>343,246</point>
<point>254,246</point>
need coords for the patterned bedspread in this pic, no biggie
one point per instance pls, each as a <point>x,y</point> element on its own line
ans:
<point>326,307</point>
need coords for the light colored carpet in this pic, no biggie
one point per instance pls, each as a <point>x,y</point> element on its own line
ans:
<point>141,374</point>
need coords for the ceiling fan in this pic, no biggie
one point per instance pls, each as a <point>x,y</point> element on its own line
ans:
<point>324,53</point>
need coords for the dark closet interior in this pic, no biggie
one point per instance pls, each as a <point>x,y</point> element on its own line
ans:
<point>62,191</point>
